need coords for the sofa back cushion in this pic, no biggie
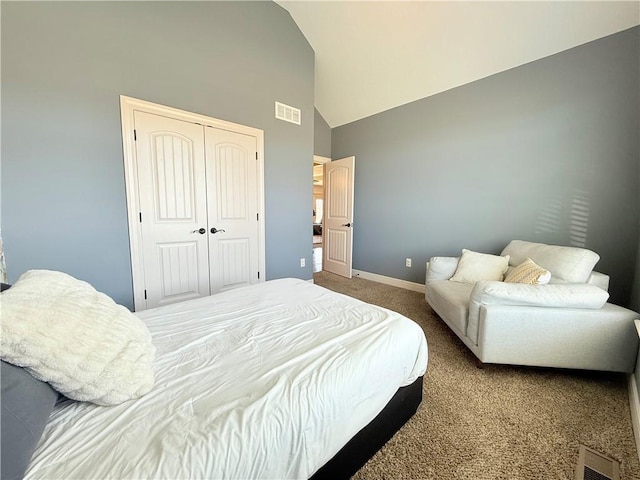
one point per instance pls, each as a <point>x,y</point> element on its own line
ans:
<point>571,264</point>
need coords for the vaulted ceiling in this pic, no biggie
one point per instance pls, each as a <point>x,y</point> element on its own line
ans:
<point>373,56</point>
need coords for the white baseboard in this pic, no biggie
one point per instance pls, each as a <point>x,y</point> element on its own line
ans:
<point>396,282</point>
<point>634,404</point>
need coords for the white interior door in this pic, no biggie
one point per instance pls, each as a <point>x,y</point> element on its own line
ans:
<point>173,208</point>
<point>231,160</point>
<point>337,228</point>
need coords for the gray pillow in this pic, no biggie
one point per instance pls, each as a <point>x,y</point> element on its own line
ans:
<point>26,405</point>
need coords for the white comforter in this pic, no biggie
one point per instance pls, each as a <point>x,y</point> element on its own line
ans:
<point>267,381</point>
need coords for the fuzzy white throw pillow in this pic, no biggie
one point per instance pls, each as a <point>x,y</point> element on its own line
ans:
<point>77,339</point>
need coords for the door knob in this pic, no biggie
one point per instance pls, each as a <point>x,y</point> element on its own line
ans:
<point>201,231</point>
<point>347,224</point>
<point>215,230</point>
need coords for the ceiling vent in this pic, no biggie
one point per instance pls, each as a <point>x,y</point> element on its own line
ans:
<point>594,465</point>
<point>287,113</point>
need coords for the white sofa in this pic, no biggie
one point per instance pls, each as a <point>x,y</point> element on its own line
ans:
<point>566,323</point>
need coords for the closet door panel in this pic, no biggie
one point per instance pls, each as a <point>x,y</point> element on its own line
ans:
<point>173,208</point>
<point>232,166</point>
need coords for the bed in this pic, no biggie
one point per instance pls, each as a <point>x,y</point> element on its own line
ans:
<point>284,379</point>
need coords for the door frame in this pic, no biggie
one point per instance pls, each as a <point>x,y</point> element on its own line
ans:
<point>320,160</point>
<point>128,106</point>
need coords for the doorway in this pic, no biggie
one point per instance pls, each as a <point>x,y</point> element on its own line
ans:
<point>318,210</point>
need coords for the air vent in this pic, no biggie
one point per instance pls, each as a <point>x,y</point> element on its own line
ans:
<point>594,465</point>
<point>287,113</point>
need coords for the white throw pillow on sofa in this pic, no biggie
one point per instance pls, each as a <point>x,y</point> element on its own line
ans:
<point>441,268</point>
<point>475,267</point>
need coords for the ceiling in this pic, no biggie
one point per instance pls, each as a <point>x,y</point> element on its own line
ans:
<point>373,56</point>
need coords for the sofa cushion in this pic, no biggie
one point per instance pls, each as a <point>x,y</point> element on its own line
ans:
<point>441,268</point>
<point>571,264</point>
<point>528,272</point>
<point>475,267</point>
<point>451,301</point>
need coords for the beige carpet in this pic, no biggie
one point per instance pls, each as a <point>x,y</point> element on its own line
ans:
<point>501,422</point>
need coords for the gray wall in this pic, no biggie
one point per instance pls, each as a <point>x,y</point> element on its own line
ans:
<point>635,297</point>
<point>534,153</point>
<point>64,65</point>
<point>634,304</point>
<point>635,294</point>
<point>321,136</point>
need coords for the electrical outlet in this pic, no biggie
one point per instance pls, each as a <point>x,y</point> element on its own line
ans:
<point>407,262</point>
<point>303,262</point>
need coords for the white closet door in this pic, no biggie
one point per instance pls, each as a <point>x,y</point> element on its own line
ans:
<point>232,173</point>
<point>173,208</point>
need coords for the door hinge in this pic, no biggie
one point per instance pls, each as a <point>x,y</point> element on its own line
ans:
<point>140,213</point>
<point>256,155</point>
<point>135,136</point>
<point>145,294</point>
<point>257,217</point>
<point>258,275</point>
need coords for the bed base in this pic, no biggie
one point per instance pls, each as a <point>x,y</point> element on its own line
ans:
<point>402,406</point>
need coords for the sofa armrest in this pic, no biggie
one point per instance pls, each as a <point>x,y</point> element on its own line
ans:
<point>591,339</point>
<point>599,280</point>
<point>441,268</point>
<point>569,295</point>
